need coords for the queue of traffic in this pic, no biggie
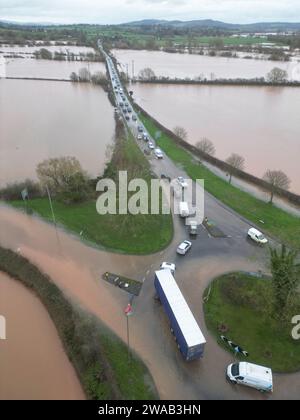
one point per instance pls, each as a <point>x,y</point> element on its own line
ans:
<point>188,336</point>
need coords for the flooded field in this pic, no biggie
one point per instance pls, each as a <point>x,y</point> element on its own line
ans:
<point>25,49</point>
<point>33,363</point>
<point>30,67</point>
<point>187,65</point>
<point>40,119</point>
<point>260,123</point>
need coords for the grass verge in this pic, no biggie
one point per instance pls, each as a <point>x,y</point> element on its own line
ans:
<point>277,222</point>
<point>98,356</point>
<point>240,303</point>
<point>132,234</point>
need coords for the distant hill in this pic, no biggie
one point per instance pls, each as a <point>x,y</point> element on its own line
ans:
<point>215,24</point>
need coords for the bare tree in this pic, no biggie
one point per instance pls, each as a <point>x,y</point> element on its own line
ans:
<point>236,162</point>
<point>147,74</point>
<point>84,75</point>
<point>59,173</point>
<point>99,78</point>
<point>206,146</point>
<point>277,75</point>
<point>74,76</point>
<point>277,179</point>
<point>180,132</point>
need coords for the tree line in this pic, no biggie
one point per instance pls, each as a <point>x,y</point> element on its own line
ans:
<point>275,178</point>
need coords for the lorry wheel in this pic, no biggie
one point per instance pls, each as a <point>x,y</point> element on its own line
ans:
<point>233,382</point>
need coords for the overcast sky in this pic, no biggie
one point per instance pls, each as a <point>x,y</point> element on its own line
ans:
<point>118,11</point>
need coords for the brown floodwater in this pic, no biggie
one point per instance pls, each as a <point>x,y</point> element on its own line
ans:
<point>18,67</point>
<point>191,65</point>
<point>33,363</point>
<point>77,269</point>
<point>40,120</point>
<point>260,123</point>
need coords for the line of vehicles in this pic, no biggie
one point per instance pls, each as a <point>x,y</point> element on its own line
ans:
<point>187,333</point>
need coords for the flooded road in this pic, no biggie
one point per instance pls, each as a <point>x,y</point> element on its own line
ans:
<point>259,123</point>
<point>33,363</point>
<point>192,65</point>
<point>40,120</point>
<point>77,269</point>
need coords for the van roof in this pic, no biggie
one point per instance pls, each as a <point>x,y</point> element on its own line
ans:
<point>255,371</point>
<point>255,231</point>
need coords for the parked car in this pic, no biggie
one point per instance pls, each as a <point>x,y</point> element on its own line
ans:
<point>257,236</point>
<point>182,182</point>
<point>140,129</point>
<point>139,137</point>
<point>129,109</point>
<point>254,376</point>
<point>150,145</point>
<point>168,266</point>
<point>184,247</point>
<point>134,118</point>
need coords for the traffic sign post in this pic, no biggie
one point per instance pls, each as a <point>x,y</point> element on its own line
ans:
<point>128,312</point>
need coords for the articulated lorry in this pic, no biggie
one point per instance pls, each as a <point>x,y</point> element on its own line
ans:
<point>188,335</point>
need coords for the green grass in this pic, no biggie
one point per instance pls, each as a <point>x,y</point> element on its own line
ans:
<point>241,302</point>
<point>277,222</point>
<point>132,234</point>
<point>97,354</point>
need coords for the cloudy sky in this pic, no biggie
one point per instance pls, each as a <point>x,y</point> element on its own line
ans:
<point>118,11</point>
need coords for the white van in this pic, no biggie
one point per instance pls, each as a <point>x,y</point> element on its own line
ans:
<point>254,376</point>
<point>184,209</point>
<point>158,153</point>
<point>257,236</point>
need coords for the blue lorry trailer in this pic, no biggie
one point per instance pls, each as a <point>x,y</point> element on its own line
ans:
<point>189,337</point>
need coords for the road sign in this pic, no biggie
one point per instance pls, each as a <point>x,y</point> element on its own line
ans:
<point>128,310</point>
<point>235,347</point>
<point>157,134</point>
<point>24,194</point>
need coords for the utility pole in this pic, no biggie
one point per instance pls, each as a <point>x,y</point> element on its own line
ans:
<point>127,72</point>
<point>51,206</point>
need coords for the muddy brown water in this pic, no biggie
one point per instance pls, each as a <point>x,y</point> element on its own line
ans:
<point>192,65</point>
<point>40,120</point>
<point>33,363</point>
<point>77,269</point>
<point>259,123</point>
<point>17,67</point>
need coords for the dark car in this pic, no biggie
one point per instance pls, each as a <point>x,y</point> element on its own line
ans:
<point>164,176</point>
<point>134,118</point>
<point>140,129</point>
<point>127,117</point>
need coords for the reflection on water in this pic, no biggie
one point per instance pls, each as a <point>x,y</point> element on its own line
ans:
<point>188,65</point>
<point>33,363</point>
<point>260,123</point>
<point>39,120</point>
